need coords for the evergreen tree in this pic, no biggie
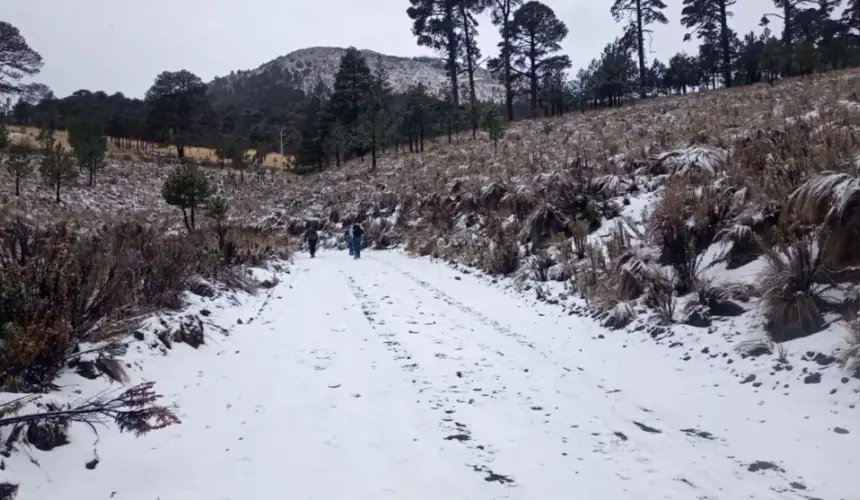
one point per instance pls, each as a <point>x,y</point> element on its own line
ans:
<point>178,106</point>
<point>89,143</point>
<point>502,12</point>
<point>493,125</point>
<point>186,187</point>
<point>5,141</point>
<point>17,60</point>
<point>537,36</point>
<point>704,15</point>
<point>313,138</point>
<point>352,83</point>
<point>435,25</point>
<point>58,168</point>
<point>468,26</point>
<point>640,14</point>
<point>216,210</point>
<point>19,165</point>
<point>375,105</point>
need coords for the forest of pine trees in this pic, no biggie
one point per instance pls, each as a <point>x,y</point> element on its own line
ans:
<point>361,117</point>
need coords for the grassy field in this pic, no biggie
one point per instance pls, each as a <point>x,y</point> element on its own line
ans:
<point>30,134</point>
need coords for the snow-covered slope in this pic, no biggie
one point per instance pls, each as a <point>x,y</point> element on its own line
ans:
<point>306,67</point>
<point>397,377</point>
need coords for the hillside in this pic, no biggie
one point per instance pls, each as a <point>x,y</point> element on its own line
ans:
<point>658,300</point>
<point>305,67</point>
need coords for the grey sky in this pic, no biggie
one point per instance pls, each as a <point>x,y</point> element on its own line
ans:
<point>121,45</point>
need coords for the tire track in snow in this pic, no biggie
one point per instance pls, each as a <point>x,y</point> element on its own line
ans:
<point>694,436</point>
<point>455,431</point>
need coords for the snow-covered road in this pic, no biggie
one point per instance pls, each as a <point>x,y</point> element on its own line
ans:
<point>393,377</point>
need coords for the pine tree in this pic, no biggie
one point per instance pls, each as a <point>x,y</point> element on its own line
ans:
<point>468,26</point>
<point>502,12</point>
<point>5,141</point>
<point>640,14</point>
<point>704,14</point>
<point>178,105</point>
<point>375,105</point>
<point>19,165</point>
<point>851,15</point>
<point>537,35</point>
<point>89,143</point>
<point>435,26</point>
<point>313,137</point>
<point>58,168</point>
<point>493,124</point>
<point>17,60</point>
<point>186,187</point>
<point>352,83</point>
<point>216,210</point>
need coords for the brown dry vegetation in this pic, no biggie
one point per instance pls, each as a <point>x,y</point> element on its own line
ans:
<point>197,153</point>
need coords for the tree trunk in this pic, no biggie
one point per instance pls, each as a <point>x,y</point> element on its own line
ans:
<point>185,219</point>
<point>193,226</point>
<point>17,185</point>
<point>373,149</point>
<point>470,69</point>
<point>421,132</point>
<point>452,47</point>
<point>58,189</point>
<point>506,55</point>
<point>641,39</point>
<point>724,42</point>
<point>180,150</point>
<point>92,180</point>
<point>533,81</point>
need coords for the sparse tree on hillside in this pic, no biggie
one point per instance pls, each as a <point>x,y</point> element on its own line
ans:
<point>493,125</point>
<point>466,12</point>
<point>58,168</point>
<point>537,36</point>
<point>178,105</point>
<point>186,187</point>
<point>216,209</point>
<point>375,105</point>
<point>435,24</point>
<point>88,140</point>
<point>46,139</point>
<point>502,12</point>
<point>5,141</point>
<point>702,15</point>
<point>314,138</point>
<point>17,60</point>
<point>19,165</point>
<point>640,14</point>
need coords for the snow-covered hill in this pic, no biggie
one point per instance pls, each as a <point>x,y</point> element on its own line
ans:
<point>306,67</point>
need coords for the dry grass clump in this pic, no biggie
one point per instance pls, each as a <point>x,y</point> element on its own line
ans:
<point>794,283</point>
<point>61,285</point>
<point>851,355</point>
<point>502,254</point>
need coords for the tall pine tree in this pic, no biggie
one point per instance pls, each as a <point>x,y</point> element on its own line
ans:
<point>537,36</point>
<point>640,14</point>
<point>468,26</point>
<point>502,13</point>
<point>435,25</point>
<point>699,14</point>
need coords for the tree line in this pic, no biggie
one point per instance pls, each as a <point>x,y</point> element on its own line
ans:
<point>361,115</point>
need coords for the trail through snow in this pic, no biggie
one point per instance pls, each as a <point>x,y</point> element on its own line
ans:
<point>394,377</point>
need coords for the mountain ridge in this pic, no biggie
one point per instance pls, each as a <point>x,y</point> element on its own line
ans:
<point>305,68</point>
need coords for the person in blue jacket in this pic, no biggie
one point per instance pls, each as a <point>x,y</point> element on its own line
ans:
<point>356,234</point>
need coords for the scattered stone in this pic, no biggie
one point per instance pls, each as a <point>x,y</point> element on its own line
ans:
<point>840,430</point>
<point>621,435</point>
<point>91,465</point>
<point>201,289</point>
<point>750,378</point>
<point>760,465</point>
<point>798,486</point>
<point>706,350</point>
<point>239,321</point>
<point>698,433</point>
<point>86,369</point>
<point>756,384</point>
<point>268,284</point>
<point>459,437</point>
<point>647,428</point>
<point>205,312</point>
<point>832,391</point>
<point>45,436</point>
<point>138,335</point>
<point>815,378</point>
<point>699,317</point>
<point>845,380</point>
<point>824,359</point>
<point>8,491</point>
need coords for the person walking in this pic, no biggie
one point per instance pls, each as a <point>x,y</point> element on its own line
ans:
<point>312,238</point>
<point>356,233</point>
<point>347,235</point>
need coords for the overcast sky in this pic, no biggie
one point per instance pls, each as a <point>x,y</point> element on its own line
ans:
<point>121,45</point>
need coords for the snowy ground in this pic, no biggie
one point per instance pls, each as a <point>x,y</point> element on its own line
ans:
<point>395,377</point>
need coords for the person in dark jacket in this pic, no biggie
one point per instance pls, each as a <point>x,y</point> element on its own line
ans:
<point>312,238</point>
<point>356,233</point>
<point>347,235</point>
